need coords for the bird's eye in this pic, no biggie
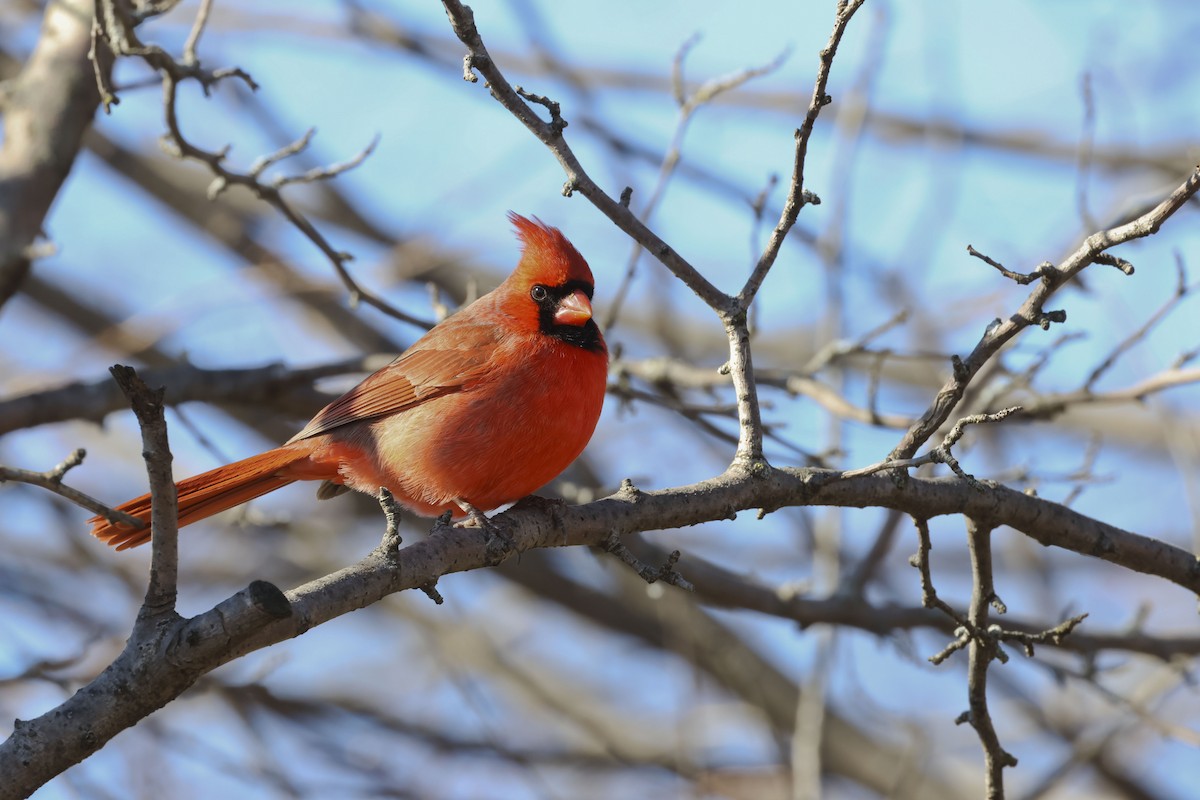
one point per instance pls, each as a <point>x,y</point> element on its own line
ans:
<point>539,293</point>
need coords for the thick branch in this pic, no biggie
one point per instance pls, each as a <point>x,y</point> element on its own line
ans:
<point>721,587</point>
<point>243,624</point>
<point>47,109</point>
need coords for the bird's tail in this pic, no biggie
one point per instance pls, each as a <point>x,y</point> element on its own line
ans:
<point>204,495</point>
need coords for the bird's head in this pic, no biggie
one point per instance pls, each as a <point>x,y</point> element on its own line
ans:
<point>551,289</point>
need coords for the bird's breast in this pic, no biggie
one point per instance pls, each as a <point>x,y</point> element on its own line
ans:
<point>499,438</point>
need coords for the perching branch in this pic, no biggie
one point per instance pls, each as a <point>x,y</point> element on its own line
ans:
<point>258,617</point>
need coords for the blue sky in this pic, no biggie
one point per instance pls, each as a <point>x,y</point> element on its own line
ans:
<point>450,163</point>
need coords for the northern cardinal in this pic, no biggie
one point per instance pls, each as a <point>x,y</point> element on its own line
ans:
<point>488,406</point>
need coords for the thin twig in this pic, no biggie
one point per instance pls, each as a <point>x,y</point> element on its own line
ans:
<point>119,35</point>
<point>1054,636</point>
<point>1051,405</point>
<point>1021,278</point>
<point>688,106</point>
<point>52,480</point>
<point>462,21</point>
<point>1031,311</point>
<point>929,595</point>
<point>942,453</point>
<point>798,196</point>
<point>390,544</point>
<point>193,40</point>
<point>665,573</point>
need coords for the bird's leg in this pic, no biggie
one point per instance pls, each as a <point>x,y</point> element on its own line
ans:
<point>474,513</point>
<point>498,539</point>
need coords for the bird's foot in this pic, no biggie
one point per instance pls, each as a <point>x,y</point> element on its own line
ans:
<point>474,515</point>
<point>499,544</point>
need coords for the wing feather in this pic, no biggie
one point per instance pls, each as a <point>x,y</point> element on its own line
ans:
<point>433,367</point>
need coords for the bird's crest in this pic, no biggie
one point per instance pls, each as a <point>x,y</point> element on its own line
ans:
<point>547,256</point>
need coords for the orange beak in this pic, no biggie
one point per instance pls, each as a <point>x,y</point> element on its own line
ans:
<point>575,309</point>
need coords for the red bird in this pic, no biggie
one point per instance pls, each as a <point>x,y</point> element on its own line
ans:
<point>488,406</point>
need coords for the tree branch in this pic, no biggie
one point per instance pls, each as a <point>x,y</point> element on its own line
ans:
<point>162,590</point>
<point>259,617</point>
<point>47,109</point>
<point>52,480</point>
<point>984,648</point>
<point>463,22</point>
<point>118,33</point>
<point>1031,311</point>
<point>287,388</point>
<point>798,196</point>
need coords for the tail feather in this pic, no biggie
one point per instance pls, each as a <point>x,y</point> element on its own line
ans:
<point>205,495</point>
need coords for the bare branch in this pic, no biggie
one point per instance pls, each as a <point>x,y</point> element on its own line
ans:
<point>47,109</point>
<point>121,38</point>
<point>1048,406</point>
<point>666,573</point>
<point>260,615</point>
<point>463,22</point>
<point>940,454</point>
<point>52,480</point>
<point>688,106</point>
<point>724,588</point>
<point>274,385</point>
<point>148,406</point>
<point>1030,313</point>
<point>1182,290</point>
<point>929,596</point>
<point>1021,278</point>
<point>328,172</point>
<point>193,40</point>
<point>983,651</point>
<point>798,196</point>
<point>1054,635</point>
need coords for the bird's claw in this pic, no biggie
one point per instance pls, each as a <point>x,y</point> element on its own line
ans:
<point>499,544</point>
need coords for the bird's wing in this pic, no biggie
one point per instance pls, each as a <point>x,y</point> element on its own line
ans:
<point>433,367</point>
